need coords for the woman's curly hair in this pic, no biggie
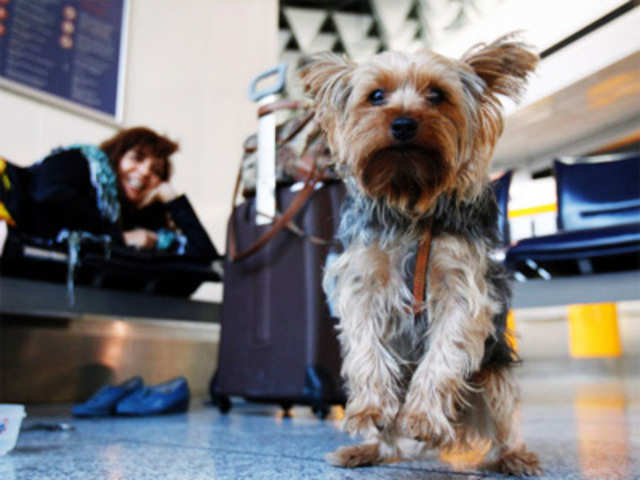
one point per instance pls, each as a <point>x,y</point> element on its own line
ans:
<point>144,140</point>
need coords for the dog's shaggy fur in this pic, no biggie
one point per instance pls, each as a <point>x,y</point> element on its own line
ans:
<point>412,135</point>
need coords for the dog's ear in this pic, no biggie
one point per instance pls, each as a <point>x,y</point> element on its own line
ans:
<point>326,77</point>
<point>503,65</point>
<point>488,71</point>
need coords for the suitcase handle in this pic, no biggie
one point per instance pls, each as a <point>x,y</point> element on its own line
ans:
<point>281,222</point>
<point>280,70</point>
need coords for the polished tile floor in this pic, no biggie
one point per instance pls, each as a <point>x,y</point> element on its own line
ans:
<point>582,427</point>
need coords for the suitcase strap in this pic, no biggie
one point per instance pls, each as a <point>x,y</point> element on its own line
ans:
<point>281,221</point>
<point>283,104</point>
<point>420,273</point>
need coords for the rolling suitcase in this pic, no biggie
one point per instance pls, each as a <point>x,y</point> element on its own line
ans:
<point>278,341</point>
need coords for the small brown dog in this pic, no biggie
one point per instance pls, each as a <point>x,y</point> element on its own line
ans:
<point>412,136</point>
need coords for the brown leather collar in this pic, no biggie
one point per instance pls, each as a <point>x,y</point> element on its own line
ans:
<point>420,273</point>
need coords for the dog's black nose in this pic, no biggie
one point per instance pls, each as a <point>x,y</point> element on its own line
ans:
<point>404,128</point>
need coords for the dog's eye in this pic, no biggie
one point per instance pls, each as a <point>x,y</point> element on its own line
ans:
<point>435,96</point>
<point>376,97</point>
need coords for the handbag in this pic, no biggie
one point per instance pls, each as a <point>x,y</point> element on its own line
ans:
<point>302,155</point>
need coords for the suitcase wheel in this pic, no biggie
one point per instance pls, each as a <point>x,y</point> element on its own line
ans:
<point>321,411</point>
<point>223,403</point>
<point>286,406</point>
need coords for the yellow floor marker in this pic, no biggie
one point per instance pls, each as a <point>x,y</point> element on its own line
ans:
<point>593,331</point>
<point>512,339</point>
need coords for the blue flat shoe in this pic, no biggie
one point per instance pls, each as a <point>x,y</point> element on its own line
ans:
<point>168,397</point>
<point>105,400</point>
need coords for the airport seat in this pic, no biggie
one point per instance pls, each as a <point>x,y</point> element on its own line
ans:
<point>598,221</point>
<point>501,190</point>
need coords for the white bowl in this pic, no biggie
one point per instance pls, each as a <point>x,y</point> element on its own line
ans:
<point>11,415</point>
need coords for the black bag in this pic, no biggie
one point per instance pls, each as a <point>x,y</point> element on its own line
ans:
<point>100,264</point>
<point>278,342</point>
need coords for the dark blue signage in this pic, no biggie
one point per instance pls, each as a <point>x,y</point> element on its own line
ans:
<point>67,48</point>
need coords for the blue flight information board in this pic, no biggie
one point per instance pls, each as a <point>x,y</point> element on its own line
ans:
<point>70,49</point>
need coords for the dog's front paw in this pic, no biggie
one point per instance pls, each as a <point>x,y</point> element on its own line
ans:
<point>427,425</point>
<point>363,420</point>
<point>520,462</point>
<point>363,417</point>
<point>355,456</point>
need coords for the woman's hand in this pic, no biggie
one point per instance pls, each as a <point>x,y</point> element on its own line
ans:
<point>162,193</point>
<point>140,238</point>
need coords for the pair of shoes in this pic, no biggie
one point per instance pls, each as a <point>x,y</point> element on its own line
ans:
<point>169,397</point>
<point>105,400</point>
<point>133,398</point>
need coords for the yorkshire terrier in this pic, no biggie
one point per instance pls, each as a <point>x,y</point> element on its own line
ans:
<point>412,137</point>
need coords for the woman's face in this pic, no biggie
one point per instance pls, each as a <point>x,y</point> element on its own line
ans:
<point>138,175</point>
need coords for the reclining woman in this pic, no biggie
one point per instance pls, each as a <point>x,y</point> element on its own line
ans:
<point>120,189</point>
